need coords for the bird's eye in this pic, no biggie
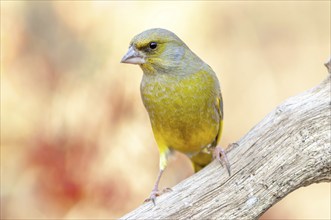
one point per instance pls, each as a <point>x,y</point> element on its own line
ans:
<point>152,45</point>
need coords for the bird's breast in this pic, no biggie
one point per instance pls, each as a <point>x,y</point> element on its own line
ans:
<point>182,110</point>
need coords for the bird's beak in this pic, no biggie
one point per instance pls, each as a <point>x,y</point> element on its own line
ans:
<point>133,57</point>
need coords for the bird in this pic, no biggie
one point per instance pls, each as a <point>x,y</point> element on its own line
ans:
<point>182,96</point>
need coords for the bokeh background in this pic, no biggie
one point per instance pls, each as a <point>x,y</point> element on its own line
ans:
<point>76,142</point>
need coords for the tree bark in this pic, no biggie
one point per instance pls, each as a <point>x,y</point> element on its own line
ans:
<point>288,149</point>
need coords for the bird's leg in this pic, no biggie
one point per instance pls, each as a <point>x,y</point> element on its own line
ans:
<point>164,152</point>
<point>220,156</point>
<point>155,192</point>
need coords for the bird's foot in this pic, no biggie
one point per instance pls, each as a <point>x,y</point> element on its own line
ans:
<point>155,193</point>
<point>220,156</point>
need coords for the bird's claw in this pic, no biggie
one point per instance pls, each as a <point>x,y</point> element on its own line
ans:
<point>221,157</point>
<point>156,193</point>
<point>152,197</point>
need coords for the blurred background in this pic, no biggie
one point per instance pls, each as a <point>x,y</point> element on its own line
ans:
<point>75,138</point>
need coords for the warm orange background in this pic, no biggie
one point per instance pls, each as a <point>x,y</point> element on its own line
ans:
<point>75,138</point>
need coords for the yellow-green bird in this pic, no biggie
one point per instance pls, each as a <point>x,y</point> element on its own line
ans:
<point>182,96</point>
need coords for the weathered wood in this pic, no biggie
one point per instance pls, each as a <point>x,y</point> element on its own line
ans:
<point>288,149</point>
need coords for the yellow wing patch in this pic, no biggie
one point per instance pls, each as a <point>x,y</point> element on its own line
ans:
<point>219,104</point>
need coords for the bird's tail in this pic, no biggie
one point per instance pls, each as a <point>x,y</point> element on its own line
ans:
<point>201,160</point>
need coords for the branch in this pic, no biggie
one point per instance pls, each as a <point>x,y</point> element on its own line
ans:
<point>288,149</point>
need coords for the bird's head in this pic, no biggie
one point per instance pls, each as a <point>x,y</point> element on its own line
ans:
<point>157,50</point>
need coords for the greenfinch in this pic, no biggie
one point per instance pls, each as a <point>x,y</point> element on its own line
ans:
<point>182,96</point>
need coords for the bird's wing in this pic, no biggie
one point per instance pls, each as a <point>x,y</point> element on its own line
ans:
<point>219,104</point>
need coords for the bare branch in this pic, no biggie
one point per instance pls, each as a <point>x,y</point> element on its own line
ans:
<point>288,149</point>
